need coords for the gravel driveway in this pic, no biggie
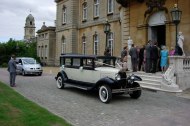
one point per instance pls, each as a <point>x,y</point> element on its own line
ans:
<point>82,108</point>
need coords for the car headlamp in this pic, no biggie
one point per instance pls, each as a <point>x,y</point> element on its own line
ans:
<point>132,77</point>
<point>117,77</point>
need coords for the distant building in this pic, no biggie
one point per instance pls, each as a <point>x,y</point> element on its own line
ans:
<point>46,42</point>
<point>29,29</point>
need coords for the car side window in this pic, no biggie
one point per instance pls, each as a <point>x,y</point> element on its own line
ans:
<point>88,64</point>
<point>20,61</point>
<point>67,61</point>
<point>76,62</point>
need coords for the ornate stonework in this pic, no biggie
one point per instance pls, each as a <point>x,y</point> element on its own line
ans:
<point>125,3</point>
<point>155,4</point>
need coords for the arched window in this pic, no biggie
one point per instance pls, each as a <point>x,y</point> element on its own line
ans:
<point>84,14</point>
<point>42,51</point>
<point>39,51</point>
<point>110,42</point>
<point>64,18</point>
<point>96,44</point>
<point>63,45</point>
<point>84,44</point>
<point>96,8</point>
<point>110,6</point>
<point>46,52</point>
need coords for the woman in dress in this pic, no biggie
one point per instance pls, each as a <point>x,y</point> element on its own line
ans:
<point>164,59</point>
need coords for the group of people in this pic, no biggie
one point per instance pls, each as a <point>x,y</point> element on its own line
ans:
<point>149,58</point>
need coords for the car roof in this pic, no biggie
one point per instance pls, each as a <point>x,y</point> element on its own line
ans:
<point>24,58</point>
<point>84,56</point>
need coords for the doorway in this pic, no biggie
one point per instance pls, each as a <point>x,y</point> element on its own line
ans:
<point>158,34</point>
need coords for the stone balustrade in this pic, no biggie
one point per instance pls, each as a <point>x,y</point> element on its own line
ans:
<point>181,64</point>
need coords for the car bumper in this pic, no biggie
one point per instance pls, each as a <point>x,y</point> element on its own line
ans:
<point>33,72</point>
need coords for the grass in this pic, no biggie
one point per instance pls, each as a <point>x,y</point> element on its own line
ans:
<point>16,110</point>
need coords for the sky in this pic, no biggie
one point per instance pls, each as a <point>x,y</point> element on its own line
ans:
<point>13,14</point>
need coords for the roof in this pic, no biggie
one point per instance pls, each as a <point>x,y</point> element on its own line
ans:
<point>30,17</point>
<point>85,56</point>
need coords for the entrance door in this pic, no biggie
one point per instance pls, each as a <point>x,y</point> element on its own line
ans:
<point>158,34</point>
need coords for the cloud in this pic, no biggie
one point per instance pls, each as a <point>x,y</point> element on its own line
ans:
<point>13,14</point>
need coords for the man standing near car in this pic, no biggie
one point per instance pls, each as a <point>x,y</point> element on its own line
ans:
<point>12,70</point>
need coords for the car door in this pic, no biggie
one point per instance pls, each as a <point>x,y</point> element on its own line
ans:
<point>87,73</point>
<point>19,65</point>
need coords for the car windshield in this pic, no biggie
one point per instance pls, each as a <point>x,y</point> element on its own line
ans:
<point>29,61</point>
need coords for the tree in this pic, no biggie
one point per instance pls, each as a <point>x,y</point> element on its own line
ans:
<point>17,47</point>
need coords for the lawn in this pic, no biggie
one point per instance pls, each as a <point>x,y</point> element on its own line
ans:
<point>16,110</point>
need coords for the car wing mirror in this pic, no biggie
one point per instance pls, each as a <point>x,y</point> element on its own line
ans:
<point>80,68</point>
<point>63,66</point>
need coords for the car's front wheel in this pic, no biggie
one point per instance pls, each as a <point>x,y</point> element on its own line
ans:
<point>105,93</point>
<point>135,94</point>
<point>60,83</point>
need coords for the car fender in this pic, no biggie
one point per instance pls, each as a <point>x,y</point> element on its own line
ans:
<point>137,78</point>
<point>109,81</point>
<point>63,74</point>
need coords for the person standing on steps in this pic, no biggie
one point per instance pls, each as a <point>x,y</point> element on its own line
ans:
<point>134,56</point>
<point>164,59</point>
<point>147,55</point>
<point>12,70</point>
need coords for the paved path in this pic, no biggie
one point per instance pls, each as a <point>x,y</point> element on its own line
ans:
<point>84,108</point>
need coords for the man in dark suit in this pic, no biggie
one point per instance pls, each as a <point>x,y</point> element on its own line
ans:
<point>134,56</point>
<point>148,61</point>
<point>12,70</point>
<point>154,57</point>
<point>141,57</point>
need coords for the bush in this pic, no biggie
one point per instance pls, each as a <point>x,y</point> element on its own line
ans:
<point>4,65</point>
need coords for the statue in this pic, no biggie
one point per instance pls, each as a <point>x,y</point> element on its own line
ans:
<point>180,43</point>
<point>129,42</point>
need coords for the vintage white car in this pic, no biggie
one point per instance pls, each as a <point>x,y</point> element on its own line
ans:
<point>90,72</point>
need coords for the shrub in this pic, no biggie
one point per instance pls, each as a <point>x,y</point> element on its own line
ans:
<point>4,65</point>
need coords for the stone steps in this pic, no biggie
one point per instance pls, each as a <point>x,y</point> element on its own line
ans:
<point>154,82</point>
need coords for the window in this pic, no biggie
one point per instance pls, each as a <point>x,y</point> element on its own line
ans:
<point>39,51</point>
<point>96,8</point>
<point>64,15</point>
<point>46,51</point>
<point>76,62</point>
<point>42,52</point>
<point>88,64</point>
<point>63,45</point>
<point>110,42</point>
<point>110,6</point>
<point>84,11</point>
<point>96,44</point>
<point>84,44</point>
<point>68,61</point>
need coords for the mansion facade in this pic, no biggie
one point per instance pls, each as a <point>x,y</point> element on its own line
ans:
<point>79,26</point>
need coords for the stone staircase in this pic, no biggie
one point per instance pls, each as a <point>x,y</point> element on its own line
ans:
<point>155,82</point>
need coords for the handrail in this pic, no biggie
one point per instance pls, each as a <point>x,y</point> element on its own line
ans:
<point>169,75</point>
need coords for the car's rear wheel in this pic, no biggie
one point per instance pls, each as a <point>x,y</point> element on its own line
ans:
<point>60,83</point>
<point>135,94</point>
<point>105,93</point>
<point>23,73</point>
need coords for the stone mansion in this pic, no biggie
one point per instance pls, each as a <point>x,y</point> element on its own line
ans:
<point>79,26</point>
